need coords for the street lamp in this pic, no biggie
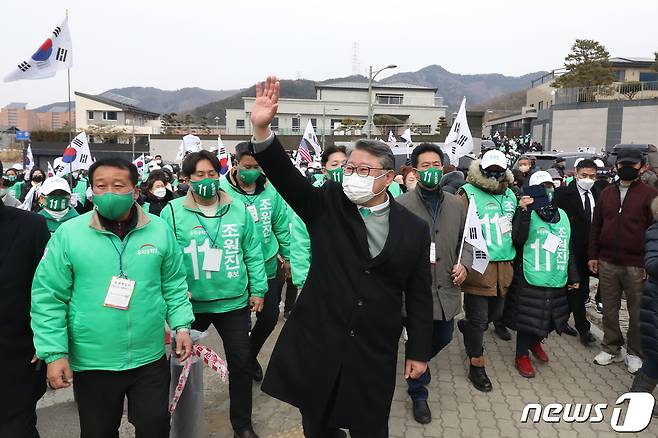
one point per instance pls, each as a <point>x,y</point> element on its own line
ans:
<point>371,77</point>
<point>324,117</point>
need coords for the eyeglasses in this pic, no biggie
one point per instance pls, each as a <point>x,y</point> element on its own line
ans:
<point>362,170</point>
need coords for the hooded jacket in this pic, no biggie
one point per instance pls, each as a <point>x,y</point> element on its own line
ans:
<point>71,283</point>
<point>272,225</point>
<point>498,276</point>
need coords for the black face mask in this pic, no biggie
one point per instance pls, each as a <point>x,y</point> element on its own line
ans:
<point>183,187</point>
<point>628,173</point>
<point>38,178</point>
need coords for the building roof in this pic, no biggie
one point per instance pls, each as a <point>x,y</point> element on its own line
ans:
<point>630,61</point>
<point>124,106</point>
<point>364,86</point>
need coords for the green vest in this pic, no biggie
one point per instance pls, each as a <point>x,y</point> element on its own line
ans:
<point>80,191</point>
<point>491,209</point>
<point>541,267</point>
<point>16,189</point>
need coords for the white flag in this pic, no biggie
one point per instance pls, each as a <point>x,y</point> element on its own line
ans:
<point>51,171</point>
<point>77,155</point>
<point>56,53</point>
<point>224,158</point>
<point>459,141</point>
<point>59,167</point>
<point>309,136</point>
<point>139,163</point>
<point>29,161</point>
<point>391,138</point>
<point>473,235</point>
<point>29,198</point>
<point>406,136</point>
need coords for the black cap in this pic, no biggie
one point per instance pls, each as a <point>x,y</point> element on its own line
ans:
<point>630,155</point>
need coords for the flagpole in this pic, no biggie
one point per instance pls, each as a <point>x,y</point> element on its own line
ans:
<point>461,248</point>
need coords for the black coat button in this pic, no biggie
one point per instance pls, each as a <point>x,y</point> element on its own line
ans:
<point>352,334</point>
<point>359,303</point>
<point>367,272</point>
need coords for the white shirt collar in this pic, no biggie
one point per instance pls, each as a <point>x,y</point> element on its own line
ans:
<point>381,206</point>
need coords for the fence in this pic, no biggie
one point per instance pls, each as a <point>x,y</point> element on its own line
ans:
<point>615,91</point>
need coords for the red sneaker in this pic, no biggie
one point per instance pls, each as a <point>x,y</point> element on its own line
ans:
<point>524,366</point>
<point>539,352</point>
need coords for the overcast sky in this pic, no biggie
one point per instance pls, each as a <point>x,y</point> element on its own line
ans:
<point>231,44</point>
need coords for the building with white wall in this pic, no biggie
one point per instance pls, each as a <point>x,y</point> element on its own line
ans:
<point>395,107</point>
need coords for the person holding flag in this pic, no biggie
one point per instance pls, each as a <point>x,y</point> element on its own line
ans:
<point>55,202</point>
<point>544,272</point>
<point>487,186</point>
<point>248,184</point>
<point>30,192</point>
<point>445,214</point>
<point>225,272</point>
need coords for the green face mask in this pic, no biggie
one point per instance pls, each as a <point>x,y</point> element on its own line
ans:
<point>248,176</point>
<point>57,202</point>
<point>206,188</point>
<point>112,205</point>
<point>430,177</point>
<point>336,174</point>
<point>11,178</point>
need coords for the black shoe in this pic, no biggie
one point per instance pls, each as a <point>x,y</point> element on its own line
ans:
<point>502,332</point>
<point>587,338</point>
<point>479,379</point>
<point>599,307</point>
<point>245,433</point>
<point>422,413</point>
<point>570,330</point>
<point>258,372</point>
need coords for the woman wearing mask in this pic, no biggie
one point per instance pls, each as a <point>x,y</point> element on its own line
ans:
<point>544,272</point>
<point>37,177</point>
<point>409,178</point>
<point>55,200</point>
<point>157,195</point>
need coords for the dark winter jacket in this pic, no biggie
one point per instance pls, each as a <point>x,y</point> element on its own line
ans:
<point>532,309</point>
<point>649,308</point>
<point>617,234</point>
<point>451,182</point>
<point>23,237</point>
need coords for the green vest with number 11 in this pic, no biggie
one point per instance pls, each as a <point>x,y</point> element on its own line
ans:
<point>491,209</point>
<point>541,267</point>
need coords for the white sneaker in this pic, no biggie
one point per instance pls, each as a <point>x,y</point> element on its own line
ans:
<point>633,363</point>
<point>604,358</point>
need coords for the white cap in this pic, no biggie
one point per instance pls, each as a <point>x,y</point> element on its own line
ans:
<point>599,163</point>
<point>17,166</point>
<point>54,183</point>
<point>540,177</point>
<point>494,158</point>
<point>578,160</point>
<point>169,167</point>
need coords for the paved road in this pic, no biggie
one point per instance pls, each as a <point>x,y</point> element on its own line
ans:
<point>458,409</point>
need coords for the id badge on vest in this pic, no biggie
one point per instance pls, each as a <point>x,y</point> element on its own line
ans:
<point>212,260</point>
<point>119,293</point>
<point>552,243</point>
<point>505,225</point>
<point>253,212</point>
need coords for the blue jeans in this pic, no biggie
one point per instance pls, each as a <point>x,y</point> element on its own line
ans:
<point>650,368</point>
<point>441,336</point>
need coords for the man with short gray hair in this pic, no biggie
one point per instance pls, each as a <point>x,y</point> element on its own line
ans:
<point>336,357</point>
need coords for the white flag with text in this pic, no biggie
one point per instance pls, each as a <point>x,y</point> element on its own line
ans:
<point>473,235</point>
<point>459,141</point>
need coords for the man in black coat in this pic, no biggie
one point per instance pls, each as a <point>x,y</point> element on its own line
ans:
<point>578,200</point>
<point>23,237</point>
<point>336,356</point>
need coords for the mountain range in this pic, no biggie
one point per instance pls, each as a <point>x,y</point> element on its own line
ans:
<point>479,89</point>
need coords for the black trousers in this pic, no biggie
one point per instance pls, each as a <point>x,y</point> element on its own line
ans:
<point>21,425</point>
<point>525,341</point>
<point>291,289</point>
<point>576,299</point>
<point>318,427</point>
<point>233,328</point>
<point>266,319</point>
<point>100,396</point>
<point>479,312</point>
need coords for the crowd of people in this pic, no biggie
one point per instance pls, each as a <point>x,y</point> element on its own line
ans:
<point>97,263</point>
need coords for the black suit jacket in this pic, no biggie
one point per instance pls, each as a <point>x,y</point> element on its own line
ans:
<point>341,340</point>
<point>23,237</point>
<point>568,198</point>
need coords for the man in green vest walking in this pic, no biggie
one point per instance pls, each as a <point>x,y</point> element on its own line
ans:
<point>245,182</point>
<point>488,186</point>
<point>55,201</point>
<point>224,264</point>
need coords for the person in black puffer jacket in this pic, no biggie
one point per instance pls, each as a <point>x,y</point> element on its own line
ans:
<point>536,303</point>
<point>157,195</point>
<point>646,379</point>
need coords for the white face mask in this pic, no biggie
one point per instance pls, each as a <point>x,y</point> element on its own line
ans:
<point>57,215</point>
<point>524,169</point>
<point>585,183</point>
<point>358,189</point>
<point>160,192</point>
